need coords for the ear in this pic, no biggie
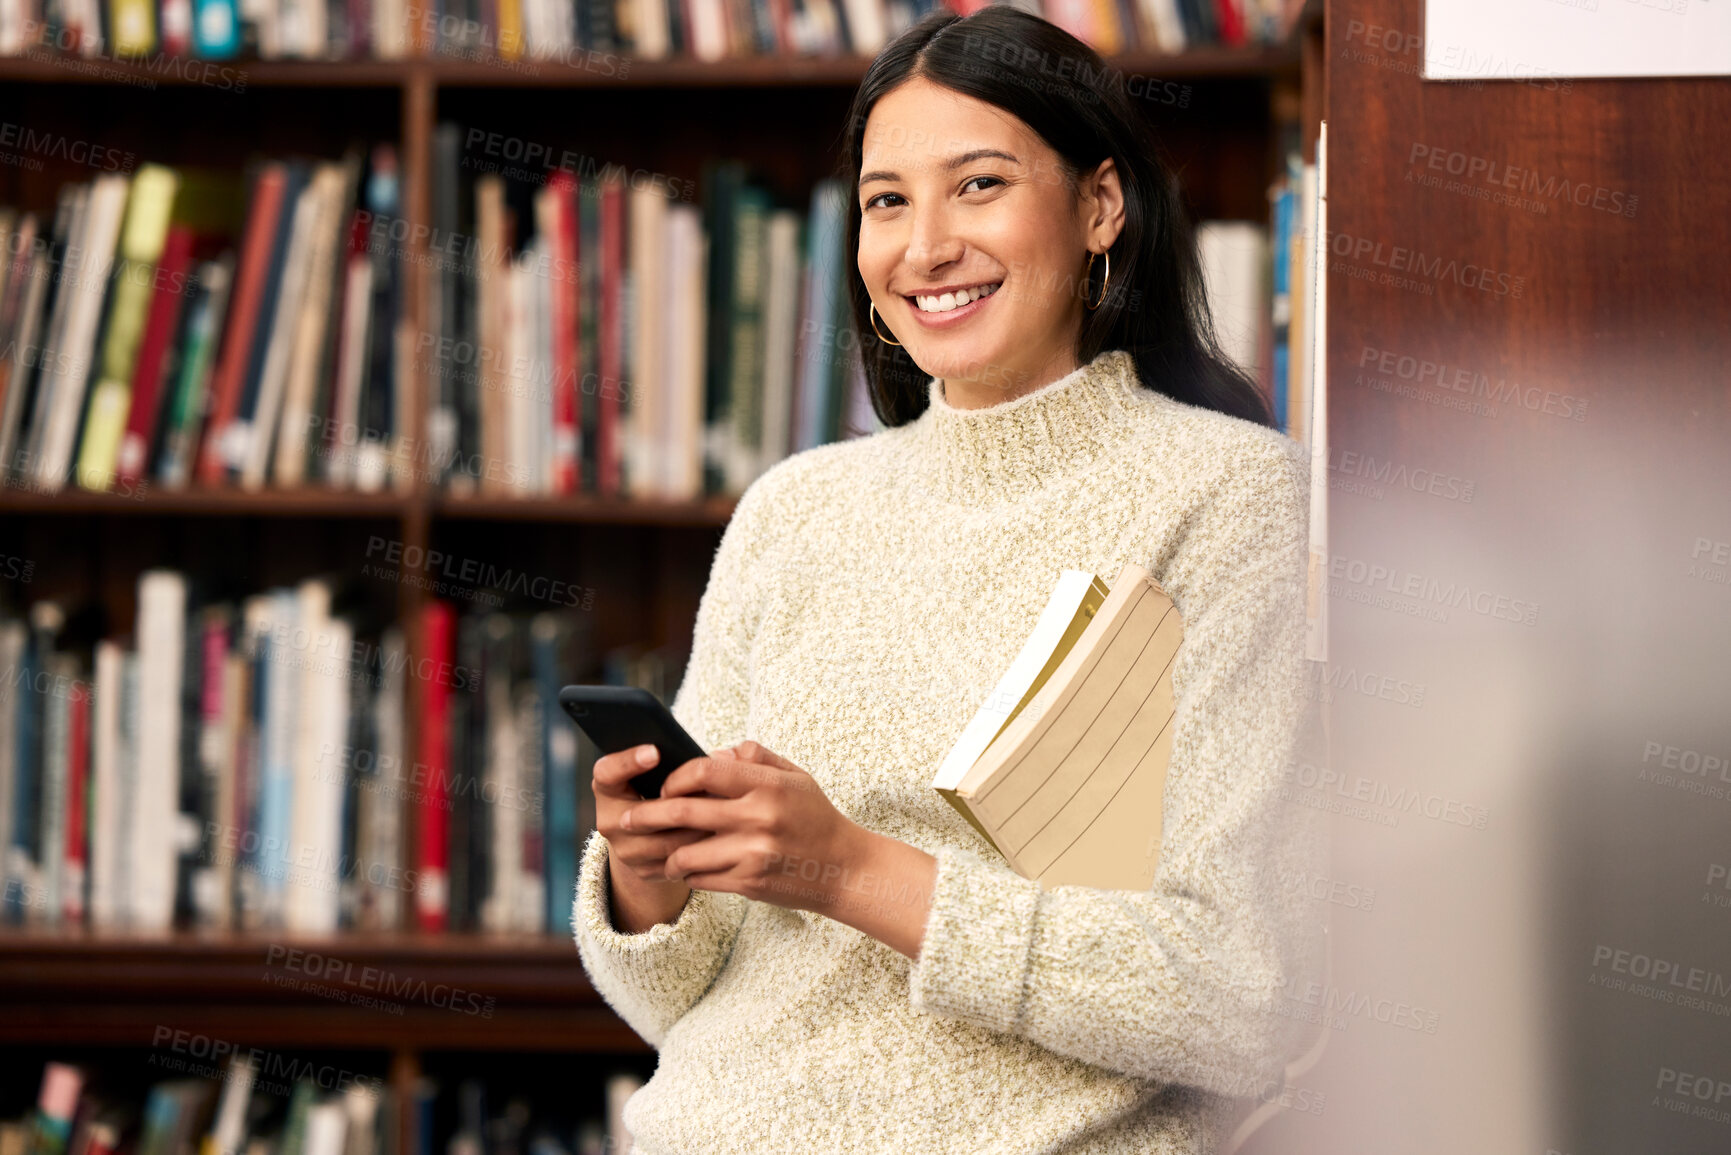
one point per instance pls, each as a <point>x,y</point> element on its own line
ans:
<point>1102,205</point>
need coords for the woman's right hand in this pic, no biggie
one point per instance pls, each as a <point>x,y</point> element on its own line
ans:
<point>642,893</point>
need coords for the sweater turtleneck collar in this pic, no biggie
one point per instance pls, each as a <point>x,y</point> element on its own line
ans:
<point>1004,451</point>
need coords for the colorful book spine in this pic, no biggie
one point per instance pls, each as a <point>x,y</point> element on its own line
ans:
<point>432,895</point>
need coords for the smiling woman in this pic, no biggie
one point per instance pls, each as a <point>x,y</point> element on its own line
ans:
<point>825,953</point>
<point>997,157</point>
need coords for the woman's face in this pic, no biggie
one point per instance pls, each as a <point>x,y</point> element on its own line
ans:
<point>973,245</point>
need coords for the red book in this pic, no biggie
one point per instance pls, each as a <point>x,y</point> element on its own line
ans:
<point>242,328</point>
<point>77,776</point>
<point>1231,21</point>
<point>159,328</point>
<point>611,336</point>
<point>563,187</point>
<point>435,670</point>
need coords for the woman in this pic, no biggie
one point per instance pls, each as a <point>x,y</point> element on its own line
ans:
<point>824,952</point>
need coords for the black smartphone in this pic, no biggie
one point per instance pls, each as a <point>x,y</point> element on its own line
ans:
<point>619,717</point>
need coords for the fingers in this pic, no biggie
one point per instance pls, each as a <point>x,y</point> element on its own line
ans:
<point>614,772</point>
<point>753,751</point>
<point>656,814</point>
<point>715,855</point>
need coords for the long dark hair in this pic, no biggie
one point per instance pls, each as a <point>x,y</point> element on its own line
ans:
<point>1064,91</point>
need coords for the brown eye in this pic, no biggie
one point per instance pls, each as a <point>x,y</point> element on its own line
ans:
<point>977,179</point>
<point>879,197</point>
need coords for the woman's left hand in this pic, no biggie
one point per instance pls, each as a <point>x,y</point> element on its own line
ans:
<point>779,839</point>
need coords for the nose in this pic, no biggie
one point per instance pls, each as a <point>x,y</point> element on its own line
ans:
<point>933,242</point>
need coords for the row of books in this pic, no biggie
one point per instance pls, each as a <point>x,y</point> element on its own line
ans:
<point>598,334</point>
<point>241,764</point>
<point>609,337</point>
<point>578,31</point>
<point>246,1101</point>
<point>138,348</point>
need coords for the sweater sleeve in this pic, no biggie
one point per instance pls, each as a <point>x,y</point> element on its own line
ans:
<point>1185,982</point>
<point>651,979</point>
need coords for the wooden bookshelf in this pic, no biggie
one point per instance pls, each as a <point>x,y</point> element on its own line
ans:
<point>529,992</point>
<point>115,990</point>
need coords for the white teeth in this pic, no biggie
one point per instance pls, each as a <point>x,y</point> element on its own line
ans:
<point>944,303</point>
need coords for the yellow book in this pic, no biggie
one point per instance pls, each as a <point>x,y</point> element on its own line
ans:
<point>142,235</point>
<point>1063,770</point>
<point>133,24</point>
<point>511,29</point>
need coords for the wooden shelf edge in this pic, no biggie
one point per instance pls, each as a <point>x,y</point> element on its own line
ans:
<point>701,512</point>
<point>580,70</point>
<point>214,502</point>
<point>578,508</point>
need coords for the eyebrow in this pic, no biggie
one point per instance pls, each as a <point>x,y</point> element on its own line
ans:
<point>954,162</point>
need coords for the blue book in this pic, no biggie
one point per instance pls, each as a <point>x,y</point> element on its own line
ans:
<point>821,357</point>
<point>215,29</point>
<point>278,667</point>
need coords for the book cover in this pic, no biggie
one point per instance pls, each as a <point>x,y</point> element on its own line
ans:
<point>1069,789</point>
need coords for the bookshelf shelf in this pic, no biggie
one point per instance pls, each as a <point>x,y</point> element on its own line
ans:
<point>235,76</point>
<point>207,502</point>
<point>707,512</point>
<point>279,989</point>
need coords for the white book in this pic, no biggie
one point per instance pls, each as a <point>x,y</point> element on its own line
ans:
<point>649,31</point>
<point>780,337</point>
<point>866,22</point>
<point>106,817</point>
<point>522,437</point>
<point>682,431</point>
<point>361,1105</point>
<point>1168,24</point>
<point>648,223</point>
<point>1036,653</point>
<point>307,347</point>
<point>708,29</point>
<point>228,1129</point>
<point>155,805</point>
<point>327,1128</point>
<point>71,372</point>
<point>390,30</point>
<point>1233,256</point>
<point>310,893</point>
<point>257,436</point>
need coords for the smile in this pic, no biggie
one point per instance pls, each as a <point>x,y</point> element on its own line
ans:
<point>956,299</point>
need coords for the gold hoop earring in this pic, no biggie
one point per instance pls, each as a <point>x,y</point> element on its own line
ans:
<point>872,311</point>
<point>1108,279</point>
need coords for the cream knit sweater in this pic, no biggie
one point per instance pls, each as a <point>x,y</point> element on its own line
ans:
<point>864,600</point>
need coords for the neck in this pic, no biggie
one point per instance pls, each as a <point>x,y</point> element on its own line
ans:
<point>977,393</point>
<point>1002,452</point>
